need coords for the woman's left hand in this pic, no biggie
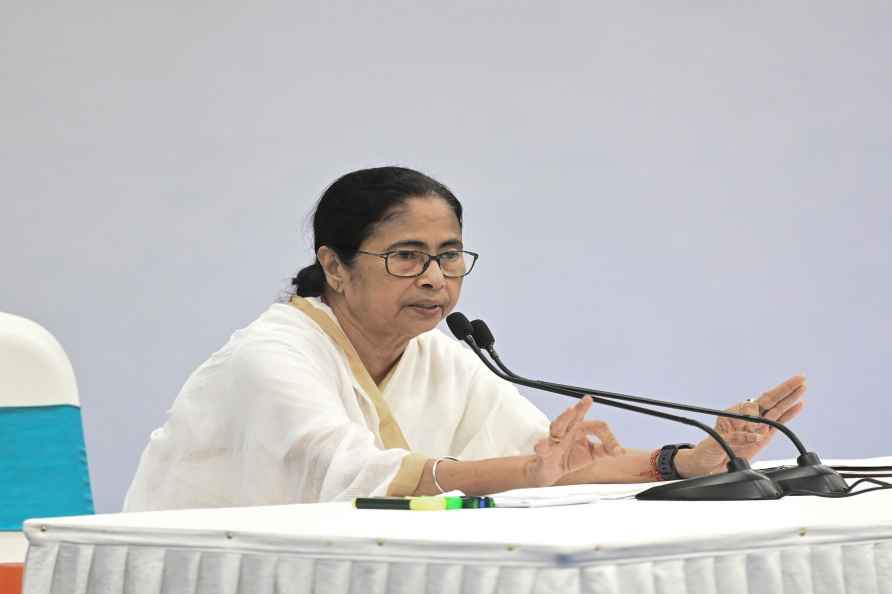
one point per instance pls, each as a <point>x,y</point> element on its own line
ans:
<point>781,403</point>
<point>569,446</point>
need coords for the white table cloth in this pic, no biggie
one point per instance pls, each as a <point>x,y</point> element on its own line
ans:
<point>792,545</point>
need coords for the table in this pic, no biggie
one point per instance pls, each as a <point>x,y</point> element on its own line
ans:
<point>791,545</point>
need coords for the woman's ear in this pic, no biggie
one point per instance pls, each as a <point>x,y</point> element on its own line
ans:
<point>335,271</point>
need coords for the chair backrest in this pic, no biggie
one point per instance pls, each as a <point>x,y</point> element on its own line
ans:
<point>43,460</point>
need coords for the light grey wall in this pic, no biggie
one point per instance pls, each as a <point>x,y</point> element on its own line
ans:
<point>688,200</point>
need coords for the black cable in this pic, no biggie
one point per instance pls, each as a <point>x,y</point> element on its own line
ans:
<point>853,471</point>
<point>863,468</point>
<point>863,471</point>
<point>848,493</point>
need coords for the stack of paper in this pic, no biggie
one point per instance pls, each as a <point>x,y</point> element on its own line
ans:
<point>567,495</point>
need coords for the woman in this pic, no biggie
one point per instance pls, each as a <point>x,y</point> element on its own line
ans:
<point>350,390</point>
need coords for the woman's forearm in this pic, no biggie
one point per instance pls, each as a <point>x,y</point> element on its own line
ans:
<point>493,475</point>
<point>483,477</point>
<point>476,477</point>
<point>633,466</point>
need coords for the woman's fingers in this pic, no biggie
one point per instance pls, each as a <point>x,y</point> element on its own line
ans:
<point>570,417</point>
<point>776,395</point>
<point>609,445</point>
<point>728,425</point>
<point>751,409</point>
<point>791,413</point>
<point>792,400</point>
<point>574,442</point>
<point>591,440</point>
<point>775,404</point>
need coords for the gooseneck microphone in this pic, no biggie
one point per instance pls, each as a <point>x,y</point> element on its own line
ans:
<point>740,482</point>
<point>809,474</point>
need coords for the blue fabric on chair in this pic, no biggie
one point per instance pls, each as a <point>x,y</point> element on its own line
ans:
<point>43,464</point>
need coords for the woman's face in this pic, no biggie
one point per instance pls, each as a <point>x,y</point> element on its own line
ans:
<point>401,308</point>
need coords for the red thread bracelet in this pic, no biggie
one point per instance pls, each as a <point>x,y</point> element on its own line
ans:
<point>654,469</point>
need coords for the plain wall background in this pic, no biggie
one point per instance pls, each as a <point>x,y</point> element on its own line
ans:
<point>687,200</point>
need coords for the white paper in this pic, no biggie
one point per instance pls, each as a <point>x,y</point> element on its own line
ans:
<point>567,495</point>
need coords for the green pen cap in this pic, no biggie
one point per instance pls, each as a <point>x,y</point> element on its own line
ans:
<point>453,502</point>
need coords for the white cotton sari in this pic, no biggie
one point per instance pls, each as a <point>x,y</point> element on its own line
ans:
<point>286,412</point>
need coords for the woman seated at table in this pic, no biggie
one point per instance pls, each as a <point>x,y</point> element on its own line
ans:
<point>350,390</point>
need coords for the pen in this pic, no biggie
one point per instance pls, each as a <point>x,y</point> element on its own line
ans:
<point>422,503</point>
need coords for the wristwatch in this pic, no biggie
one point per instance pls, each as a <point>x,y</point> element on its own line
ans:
<point>666,460</point>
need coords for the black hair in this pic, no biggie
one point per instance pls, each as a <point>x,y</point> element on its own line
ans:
<point>349,209</point>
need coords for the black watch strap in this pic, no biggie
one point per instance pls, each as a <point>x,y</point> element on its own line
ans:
<point>666,460</point>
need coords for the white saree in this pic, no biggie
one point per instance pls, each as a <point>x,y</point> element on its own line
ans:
<point>286,412</point>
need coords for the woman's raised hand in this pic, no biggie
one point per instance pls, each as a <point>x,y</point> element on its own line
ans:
<point>569,447</point>
<point>781,403</point>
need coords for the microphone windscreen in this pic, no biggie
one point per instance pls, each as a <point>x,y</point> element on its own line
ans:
<point>459,325</point>
<point>482,336</point>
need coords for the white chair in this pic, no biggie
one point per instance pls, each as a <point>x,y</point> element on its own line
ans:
<point>43,464</point>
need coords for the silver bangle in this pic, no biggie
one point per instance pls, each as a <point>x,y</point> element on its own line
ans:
<point>434,471</point>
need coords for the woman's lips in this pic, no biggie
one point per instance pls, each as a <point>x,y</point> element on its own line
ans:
<point>428,310</point>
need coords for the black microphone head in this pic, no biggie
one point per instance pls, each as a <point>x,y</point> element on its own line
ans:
<point>482,336</point>
<point>459,325</point>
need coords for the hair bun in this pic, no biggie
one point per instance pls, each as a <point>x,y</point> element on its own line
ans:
<point>310,281</point>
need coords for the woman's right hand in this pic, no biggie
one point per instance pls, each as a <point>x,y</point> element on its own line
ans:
<point>569,447</point>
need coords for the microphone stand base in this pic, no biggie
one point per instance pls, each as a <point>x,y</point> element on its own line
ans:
<point>817,478</point>
<point>740,485</point>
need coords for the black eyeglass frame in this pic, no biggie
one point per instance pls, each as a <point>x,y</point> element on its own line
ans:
<point>427,264</point>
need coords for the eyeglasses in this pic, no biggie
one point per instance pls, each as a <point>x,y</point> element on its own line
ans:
<point>410,263</point>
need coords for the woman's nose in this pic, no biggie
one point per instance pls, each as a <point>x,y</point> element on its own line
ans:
<point>433,276</point>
